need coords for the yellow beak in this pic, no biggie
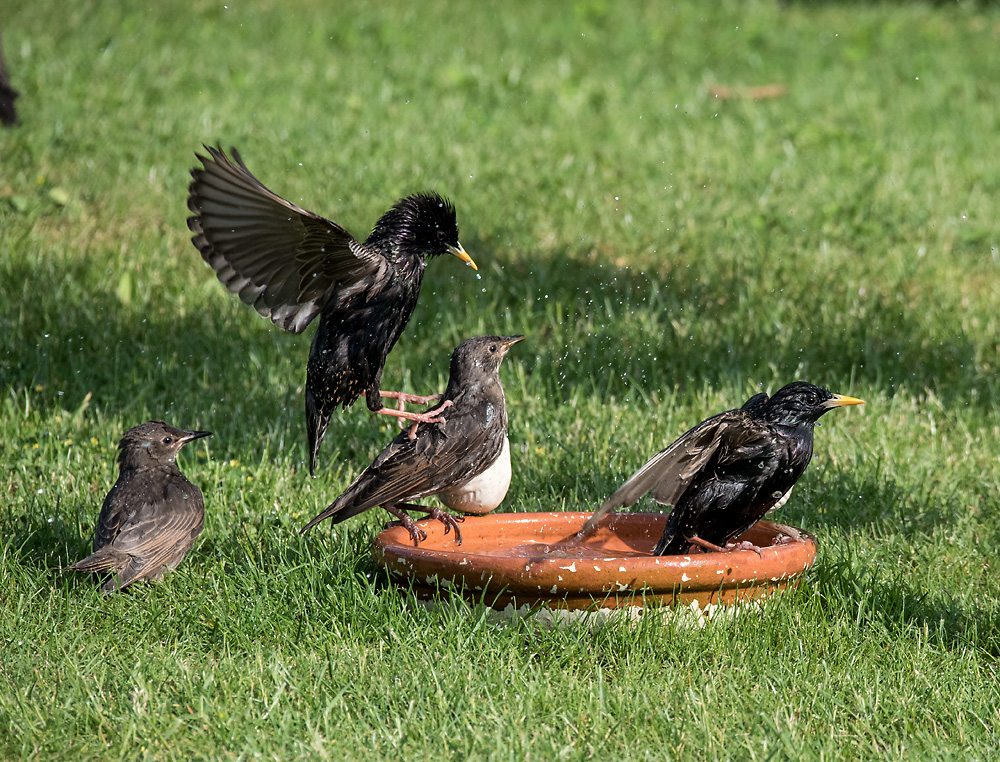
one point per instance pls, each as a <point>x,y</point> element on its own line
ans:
<point>459,252</point>
<point>839,400</point>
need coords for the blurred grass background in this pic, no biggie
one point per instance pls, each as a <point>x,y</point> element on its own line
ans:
<point>667,252</point>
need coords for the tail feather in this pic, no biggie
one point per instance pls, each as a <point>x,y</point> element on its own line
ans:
<point>123,576</point>
<point>317,419</point>
<point>106,559</point>
<point>671,542</point>
<point>123,568</point>
<point>338,511</point>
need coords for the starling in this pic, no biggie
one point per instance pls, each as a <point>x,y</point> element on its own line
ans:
<point>465,461</point>
<point>152,515</point>
<point>292,265</point>
<point>723,475</point>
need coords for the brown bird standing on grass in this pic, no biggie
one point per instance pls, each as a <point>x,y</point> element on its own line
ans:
<point>723,475</point>
<point>465,461</point>
<point>152,515</point>
<point>292,265</point>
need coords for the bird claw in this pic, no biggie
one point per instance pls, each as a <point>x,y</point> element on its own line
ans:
<point>449,520</point>
<point>787,539</point>
<point>705,546</point>
<point>744,545</point>
<point>434,417</point>
<point>417,534</point>
<point>402,398</point>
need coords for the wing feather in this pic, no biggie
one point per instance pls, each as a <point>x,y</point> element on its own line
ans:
<point>408,470</point>
<point>277,257</point>
<point>670,471</point>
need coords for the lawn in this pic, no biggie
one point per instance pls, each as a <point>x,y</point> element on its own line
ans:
<point>667,252</point>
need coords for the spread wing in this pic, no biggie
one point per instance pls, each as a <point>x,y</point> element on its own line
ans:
<point>441,456</point>
<point>277,257</point>
<point>670,471</point>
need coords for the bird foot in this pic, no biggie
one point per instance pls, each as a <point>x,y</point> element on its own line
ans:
<point>787,539</point>
<point>434,417</point>
<point>418,418</point>
<point>402,398</point>
<point>744,545</point>
<point>710,547</point>
<point>704,545</point>
<point>450,520</point>
<point>420,399</point>
<point>417,534</point>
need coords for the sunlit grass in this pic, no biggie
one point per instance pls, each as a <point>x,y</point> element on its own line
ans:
<point>667,253</point>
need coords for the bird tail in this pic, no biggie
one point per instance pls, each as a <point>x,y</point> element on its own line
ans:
<point>124,568</point>
<point>339,511</point>
<point>106,559</point>
<point>316,420</point>
<point>671,542</point>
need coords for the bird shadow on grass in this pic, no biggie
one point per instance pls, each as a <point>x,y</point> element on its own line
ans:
<point>594,327</point>
<point>840,499</point>
<point>51,540</point>
<point>612,329</point>
<point>140,362</point>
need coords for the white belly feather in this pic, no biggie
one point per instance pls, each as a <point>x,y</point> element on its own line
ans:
<point>482,493</point>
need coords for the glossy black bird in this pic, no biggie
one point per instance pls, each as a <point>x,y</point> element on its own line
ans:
<point>723,475</point>
<point>152,515</point>
<point>464,461</point>
<point>292,265</point>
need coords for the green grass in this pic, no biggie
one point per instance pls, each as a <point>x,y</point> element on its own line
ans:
<point>667,253</point>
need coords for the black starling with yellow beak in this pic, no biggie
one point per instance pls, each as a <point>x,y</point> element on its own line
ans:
<point>723,475</point>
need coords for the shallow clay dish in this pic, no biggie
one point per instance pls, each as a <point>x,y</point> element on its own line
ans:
<point>533,558</point>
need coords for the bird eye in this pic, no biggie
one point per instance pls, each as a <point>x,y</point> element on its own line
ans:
<point>493,347</point>
<point>168,440</point>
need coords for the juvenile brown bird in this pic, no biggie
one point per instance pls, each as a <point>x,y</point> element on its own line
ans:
<point>464,461</point>
<point>292,265</point>
<point>723,475</point>
<point>152,514</point>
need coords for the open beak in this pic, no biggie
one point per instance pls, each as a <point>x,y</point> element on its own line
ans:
<point>459,252</point>
<point>839,400</point>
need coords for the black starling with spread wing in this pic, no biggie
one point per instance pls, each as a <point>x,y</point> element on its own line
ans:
<point>152,514</point>
<point>465,461</point>
<point>292,265</point>
<point>723,475</point>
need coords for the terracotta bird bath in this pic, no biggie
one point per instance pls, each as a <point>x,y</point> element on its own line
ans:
<point>534,558</point>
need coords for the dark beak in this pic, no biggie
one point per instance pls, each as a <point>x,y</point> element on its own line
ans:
<point>190,436</point>
<point>509,341</point>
